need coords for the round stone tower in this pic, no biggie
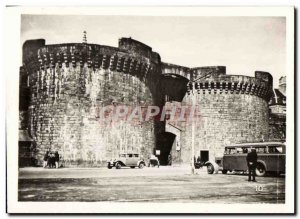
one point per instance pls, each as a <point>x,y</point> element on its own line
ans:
<point>229,109</point>
<point>71,83</point>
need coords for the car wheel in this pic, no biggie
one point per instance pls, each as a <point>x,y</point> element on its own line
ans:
<point>141,165</point>
<point>132,167</point>
<point>260,170</point>
<point>210,169</point>
<point>224,171</point>
<point>118,166</point>
<point>109,166</point>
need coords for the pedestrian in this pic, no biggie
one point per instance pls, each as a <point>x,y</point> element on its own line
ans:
<point>251,162</point>
<point>51,160</point>
<point>170,160</point>
<point>46,157</point>
<point>56,156</point>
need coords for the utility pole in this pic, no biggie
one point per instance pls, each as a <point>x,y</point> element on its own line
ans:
<point>84,39</point>
<point>193,118</point>
<point>193,129</point>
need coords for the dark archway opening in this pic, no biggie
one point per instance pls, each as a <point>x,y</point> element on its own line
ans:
<point>165,142</point>
<point>171,81</point>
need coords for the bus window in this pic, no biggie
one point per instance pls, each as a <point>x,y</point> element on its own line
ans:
<point>231,151</point>
<point>226,151</point>
<point>245,150</point>
<point>261,150</point>
<point>239,150</point>
<point>275,150</point>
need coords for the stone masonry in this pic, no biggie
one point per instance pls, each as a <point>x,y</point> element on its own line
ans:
<point>67,84</point>
<point>70,83</point>
<point>229,109</point>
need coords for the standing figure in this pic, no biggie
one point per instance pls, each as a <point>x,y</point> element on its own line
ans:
<point>51,162</point>
<point>46,157</point>
<point>56,156</point>
<point>251,162</point>
<point>170,160</point>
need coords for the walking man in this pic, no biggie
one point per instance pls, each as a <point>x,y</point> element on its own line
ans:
<point>56,156</point>
<point>46,157</point>
<point>251,162</point>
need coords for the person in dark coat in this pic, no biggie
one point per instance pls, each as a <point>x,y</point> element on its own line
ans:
<point>252,162</point>
<point>51,160</point>
<point>46,157</point>
<point>56,156</point>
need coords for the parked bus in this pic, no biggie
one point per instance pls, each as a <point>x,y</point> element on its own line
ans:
<point>270,158</point>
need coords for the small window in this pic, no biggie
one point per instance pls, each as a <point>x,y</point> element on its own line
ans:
<point>275,150</point>
<point>122,155</point>
<point>261,150</point>
<point>226,151</point>
<point>230,151</point>
<point>233,151</point>
<point>130,155</point>
<point>136,155</point>
<point>245,150</point>
<point>239,150</point>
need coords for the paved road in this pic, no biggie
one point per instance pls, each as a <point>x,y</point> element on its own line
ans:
<point>164,184</point>
<point>102,172</point>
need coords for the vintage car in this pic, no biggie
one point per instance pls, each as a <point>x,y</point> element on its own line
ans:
<point>131,160</point>
<point>270,158</point>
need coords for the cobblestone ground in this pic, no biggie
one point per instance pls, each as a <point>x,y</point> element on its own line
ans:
<point>164,184</point>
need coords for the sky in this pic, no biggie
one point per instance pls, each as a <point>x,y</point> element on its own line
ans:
<point>242,44</point>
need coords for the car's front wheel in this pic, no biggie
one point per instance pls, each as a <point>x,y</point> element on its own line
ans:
<point>210,169</point>
<point>141,165</point>
<point>118,166</point>
<point>260,170</point>
<point>109,166</point>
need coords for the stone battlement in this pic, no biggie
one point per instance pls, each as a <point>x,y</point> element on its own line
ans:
<point>122,59</point>
<point>238,84</point>
<point>213,79</point>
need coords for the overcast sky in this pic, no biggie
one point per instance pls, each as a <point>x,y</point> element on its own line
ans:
<point>242,44</point>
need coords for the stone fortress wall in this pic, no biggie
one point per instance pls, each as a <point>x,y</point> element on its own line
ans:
<point>232,109</point>
<point>68,83</point>
<point>229,109</point>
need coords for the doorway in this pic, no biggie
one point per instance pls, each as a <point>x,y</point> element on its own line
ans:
<point>165,142</point>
